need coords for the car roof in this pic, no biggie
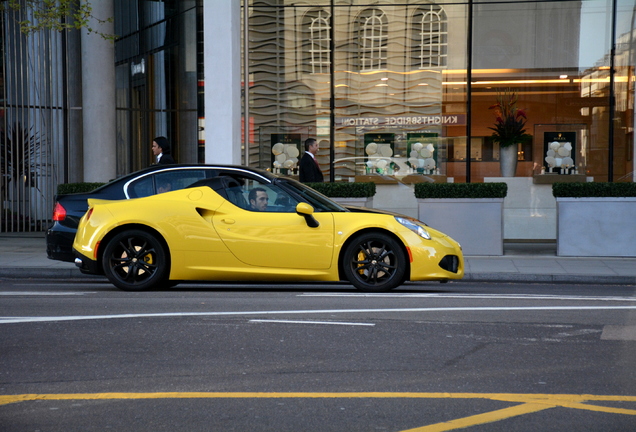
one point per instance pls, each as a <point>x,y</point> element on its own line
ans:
<point>154,168</point>
<point>116,188</point>
<point>220,171</point>
<point>175,167</point>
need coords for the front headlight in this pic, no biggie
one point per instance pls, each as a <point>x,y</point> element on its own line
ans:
<point>415,227</point>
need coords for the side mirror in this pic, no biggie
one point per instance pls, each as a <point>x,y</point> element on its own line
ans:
<point>304,209</point>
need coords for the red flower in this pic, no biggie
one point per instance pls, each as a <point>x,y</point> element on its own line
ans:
<point>510,121</point>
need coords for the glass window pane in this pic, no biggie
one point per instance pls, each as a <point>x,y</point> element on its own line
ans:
<point>559,95</point>
<point>401,79</point>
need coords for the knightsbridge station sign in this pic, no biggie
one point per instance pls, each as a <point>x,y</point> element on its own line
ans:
<point>393,121</point>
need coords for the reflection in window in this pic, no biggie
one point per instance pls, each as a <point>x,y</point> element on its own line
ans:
<point>372,38</point>
<point>430,37</point>
<point>319,40</point>
<point>141,188</point>
<point>178,179</point>
<point>483,149</point>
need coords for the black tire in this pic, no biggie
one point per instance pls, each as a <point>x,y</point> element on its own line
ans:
<point>135,260</point>
<point>374,262</point>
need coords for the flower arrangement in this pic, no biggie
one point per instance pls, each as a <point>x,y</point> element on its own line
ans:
<point>511,121</point>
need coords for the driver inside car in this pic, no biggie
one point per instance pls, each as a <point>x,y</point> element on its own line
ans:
<point>258,199</point>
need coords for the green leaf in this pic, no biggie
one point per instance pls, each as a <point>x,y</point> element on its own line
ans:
<point>593,189</point>
<point>345,189</point>
<point>68,188</point>
<point>461,190</point>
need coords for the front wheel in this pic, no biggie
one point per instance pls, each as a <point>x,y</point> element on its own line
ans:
<point>135,260</point>
<point>374,262</point>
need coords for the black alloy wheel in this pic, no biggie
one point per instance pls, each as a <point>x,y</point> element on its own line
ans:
<point>135,260</point>
<point>374,262</point>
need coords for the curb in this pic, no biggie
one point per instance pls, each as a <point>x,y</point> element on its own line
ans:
<point>73,273</point>
<point>43,273</point>
<point>561,279</point>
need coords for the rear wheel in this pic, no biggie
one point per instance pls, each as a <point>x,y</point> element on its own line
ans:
<point>135,260</point>
<point>374,262</point>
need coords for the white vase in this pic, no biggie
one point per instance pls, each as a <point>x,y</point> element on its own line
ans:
<point>508,160</point>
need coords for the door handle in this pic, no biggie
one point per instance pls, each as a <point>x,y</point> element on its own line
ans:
<point>228,220</point>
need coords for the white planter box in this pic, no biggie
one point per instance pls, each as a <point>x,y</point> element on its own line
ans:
<point>476,223</point>
<point>357,202</point>
<point>596,227</point>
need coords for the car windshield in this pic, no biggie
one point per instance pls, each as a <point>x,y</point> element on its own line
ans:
<point>316,199</point>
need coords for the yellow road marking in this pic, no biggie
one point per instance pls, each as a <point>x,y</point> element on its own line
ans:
<point>484,418</point>
<point>550,399</point>
<point>528,403</point>
<point>598,408</point>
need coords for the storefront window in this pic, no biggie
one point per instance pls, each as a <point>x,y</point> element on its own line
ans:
<point>400,86</point>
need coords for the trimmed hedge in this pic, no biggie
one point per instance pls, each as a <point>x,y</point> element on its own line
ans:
<point>345,189</point>
<point>69,188</point>
<point>461,190</point>
<point>592,189</point>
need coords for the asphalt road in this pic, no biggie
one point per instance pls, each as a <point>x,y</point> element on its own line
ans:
<point>81,355</point>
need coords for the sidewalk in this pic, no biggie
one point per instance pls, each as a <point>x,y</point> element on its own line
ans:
<point>23,255</point>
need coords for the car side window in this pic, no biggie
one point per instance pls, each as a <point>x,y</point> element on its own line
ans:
<point>255,196</point>
<point>178,179</point>
<point>164,181</point>
<point>235,192</point>
<point>142,187</point>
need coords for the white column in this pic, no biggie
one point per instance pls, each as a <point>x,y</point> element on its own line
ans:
<point>222,72</point>
<point>633,152</point>
<point>98,98</point>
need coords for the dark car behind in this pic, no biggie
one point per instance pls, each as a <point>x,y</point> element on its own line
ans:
<point>70,208</point>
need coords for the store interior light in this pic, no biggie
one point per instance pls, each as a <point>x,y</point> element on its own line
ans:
<point>516,82</point>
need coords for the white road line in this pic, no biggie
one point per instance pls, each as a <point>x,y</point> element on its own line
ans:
<point>312,322</point>
<point>43,293</point>
<point>14,320</point>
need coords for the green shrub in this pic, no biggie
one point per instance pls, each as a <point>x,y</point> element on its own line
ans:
<point>600,189</point>
<point>461,190</point>
<point>345,189</point>
<point>68,188</point>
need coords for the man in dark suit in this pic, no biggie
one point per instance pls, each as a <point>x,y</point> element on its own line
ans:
<point>161,150</point>
<point>309,170</point>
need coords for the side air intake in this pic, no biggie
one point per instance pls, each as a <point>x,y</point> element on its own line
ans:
<point>450,263</point>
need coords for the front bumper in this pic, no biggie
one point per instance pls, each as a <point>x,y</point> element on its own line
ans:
<point>442,260</point>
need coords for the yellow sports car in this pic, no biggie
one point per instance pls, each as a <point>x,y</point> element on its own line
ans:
<point>243,224</point>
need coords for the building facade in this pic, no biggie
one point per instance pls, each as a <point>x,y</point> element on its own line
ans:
<point>388,88</point>
<point>400,74</point>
